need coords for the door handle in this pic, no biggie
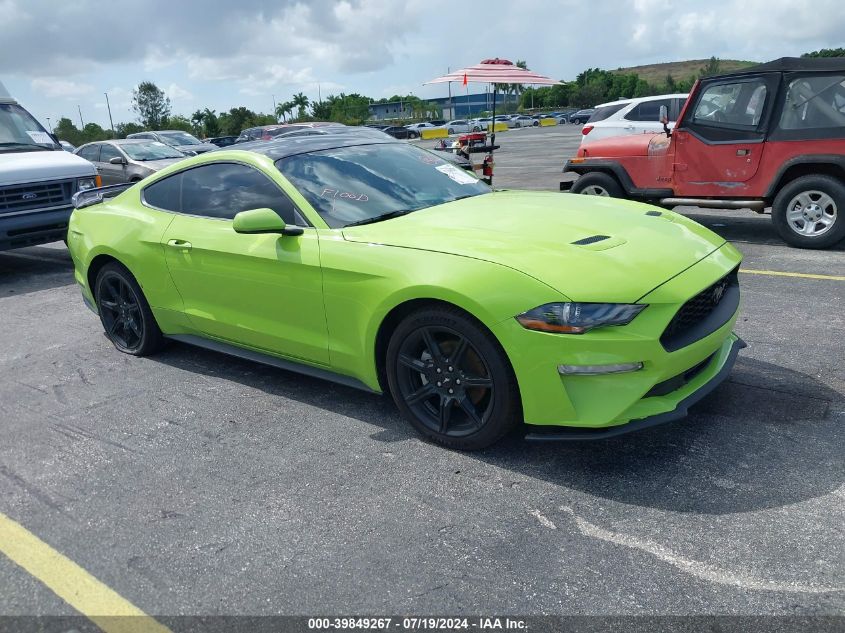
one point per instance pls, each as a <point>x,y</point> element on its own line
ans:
<point>179,244</point>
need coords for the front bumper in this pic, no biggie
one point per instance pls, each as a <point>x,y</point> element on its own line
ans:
<point>553,399</point>
<point>557,434</point>
<point>37,227</point>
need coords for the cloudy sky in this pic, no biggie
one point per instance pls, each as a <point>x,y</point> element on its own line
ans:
<point>57,54</point>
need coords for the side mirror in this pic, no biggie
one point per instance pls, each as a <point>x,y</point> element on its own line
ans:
<point>256,221</point>
<point>117,160</point>
<point>663,117</point>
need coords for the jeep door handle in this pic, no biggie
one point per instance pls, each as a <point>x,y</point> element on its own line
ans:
<point>179,244</point>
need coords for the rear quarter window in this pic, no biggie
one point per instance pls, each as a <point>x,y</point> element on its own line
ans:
<point>607,111</point>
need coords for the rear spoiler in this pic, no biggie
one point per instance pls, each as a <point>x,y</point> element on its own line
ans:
<point>86,198</point>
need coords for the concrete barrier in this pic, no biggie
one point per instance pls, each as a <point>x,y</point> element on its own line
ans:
<point>437,132</point>
<point>500,126</point>
<point>547,122</point>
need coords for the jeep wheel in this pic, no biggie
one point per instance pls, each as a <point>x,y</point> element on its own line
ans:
<point>598,184</point>
<point>808,212</point>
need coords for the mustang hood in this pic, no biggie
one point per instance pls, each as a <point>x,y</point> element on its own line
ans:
<point>586,247</point>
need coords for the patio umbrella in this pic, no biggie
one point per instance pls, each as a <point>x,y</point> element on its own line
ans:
<point>494,71</point>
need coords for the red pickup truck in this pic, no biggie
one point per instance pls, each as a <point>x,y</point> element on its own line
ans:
<point>772,135</point>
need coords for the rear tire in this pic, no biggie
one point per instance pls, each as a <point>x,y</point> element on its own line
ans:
<point>124,312</point>
<point>809,212</point>
<point>451,380</point>
<point>598,184</point>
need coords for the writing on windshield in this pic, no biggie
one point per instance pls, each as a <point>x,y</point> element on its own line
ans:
<point>350,185</point>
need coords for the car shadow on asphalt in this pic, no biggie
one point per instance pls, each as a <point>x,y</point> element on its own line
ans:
<point>32,269</point>
<point>751,229</point>
<point>769,437</point>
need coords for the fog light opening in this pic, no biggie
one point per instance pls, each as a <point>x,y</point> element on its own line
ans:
<point>592,370</point>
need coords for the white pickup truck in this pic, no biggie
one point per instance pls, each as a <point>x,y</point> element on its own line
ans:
<point>37,179</point>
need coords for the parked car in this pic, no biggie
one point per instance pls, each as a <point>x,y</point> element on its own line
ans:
<point>128,160</point>
<point>400,132</point>
<point>458,126</point>
<point>267,132</point>
<point>391,276</point>
<point>184,142</point>
<point>632,116</point>
<point>772,135</point>
<point>580,117</point>
<point>562,116</point>
<point>37,179</point>
<point>221,141</point>
<point>481,124</point>
<point>418,127</point>
<point>522,120</point>
<point>68,147</point>
<point>438,122</point>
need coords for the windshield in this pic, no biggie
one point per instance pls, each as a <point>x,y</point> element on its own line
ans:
<point>353,184</point>
<point>179,138</point>
<point>20,132</point>
<point>150,150</point>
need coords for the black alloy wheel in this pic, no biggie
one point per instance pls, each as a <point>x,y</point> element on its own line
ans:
<point>124,312</point>
<point>451,379</point>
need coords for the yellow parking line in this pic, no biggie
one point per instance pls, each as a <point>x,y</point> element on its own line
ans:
<point>108,610</point>
<point>778,273</point>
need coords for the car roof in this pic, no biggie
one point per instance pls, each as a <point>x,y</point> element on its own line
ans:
<point>128,141</point>
<point>792,64</point>
<point>331,138</point>
<point>677,95</point>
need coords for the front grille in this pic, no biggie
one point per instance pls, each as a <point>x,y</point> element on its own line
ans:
<point>676,382</point>
<point>34,196</point>
<point>705,313</point>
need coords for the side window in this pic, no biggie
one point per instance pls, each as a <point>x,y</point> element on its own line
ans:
<point>221,190</point>
<point>107,152</point>
<point>165,193</point>
<point>735,105</point>
<point>814,102</point>
<point>649,110</point>
<point>91,152</point>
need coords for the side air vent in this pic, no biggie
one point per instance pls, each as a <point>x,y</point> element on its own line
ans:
<point>591,240</point>
<point>655,214</point>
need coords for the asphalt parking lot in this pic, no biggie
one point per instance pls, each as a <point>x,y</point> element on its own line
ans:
<point>194,483</point>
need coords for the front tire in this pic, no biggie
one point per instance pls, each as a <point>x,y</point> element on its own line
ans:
<point>450,131</point>
<point>124,312</point>
<point>809,212</point>
<point>598,184</point>
<point>451,380</point>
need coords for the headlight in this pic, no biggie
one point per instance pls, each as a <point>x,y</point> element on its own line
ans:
<point>87,183</point>
<point>577,318</point>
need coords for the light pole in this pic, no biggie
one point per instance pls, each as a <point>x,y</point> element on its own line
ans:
<point>81,122</point>
<point>108,106</point>
<point>49,127</point>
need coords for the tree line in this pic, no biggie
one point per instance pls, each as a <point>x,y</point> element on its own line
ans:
<point>592,86</point>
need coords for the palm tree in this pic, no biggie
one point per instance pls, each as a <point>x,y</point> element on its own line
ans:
<point>300,101</point>
<point>516,89</point>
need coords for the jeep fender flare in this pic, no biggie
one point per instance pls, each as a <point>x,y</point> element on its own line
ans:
<point>621,174</point>
<point>825,164</point>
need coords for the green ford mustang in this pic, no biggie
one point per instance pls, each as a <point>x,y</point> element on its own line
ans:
<point>379,265</point>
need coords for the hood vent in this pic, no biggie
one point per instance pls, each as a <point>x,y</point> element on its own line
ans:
<point>591,240</point>
<point>655,214</point>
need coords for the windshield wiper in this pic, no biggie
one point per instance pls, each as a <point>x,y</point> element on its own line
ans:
<point>26,145</point>
<point>379,218</point>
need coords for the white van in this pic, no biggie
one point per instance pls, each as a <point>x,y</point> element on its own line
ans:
<point>37,179</point>
<point>631,116</point>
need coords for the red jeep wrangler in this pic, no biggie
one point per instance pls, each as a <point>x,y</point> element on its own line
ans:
<point>771,135</point>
